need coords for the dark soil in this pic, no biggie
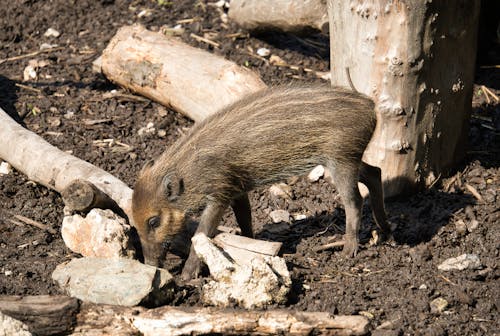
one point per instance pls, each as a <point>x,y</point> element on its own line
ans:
<point>388,283</point>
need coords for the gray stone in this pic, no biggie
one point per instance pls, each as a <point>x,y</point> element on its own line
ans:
<point>279,216</point>
<point>462,262</point>
<point>123,282</point>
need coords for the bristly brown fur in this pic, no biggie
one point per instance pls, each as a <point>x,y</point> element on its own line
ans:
<point>266,137</point>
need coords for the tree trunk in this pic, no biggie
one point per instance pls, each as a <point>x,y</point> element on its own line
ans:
<point>416,60</point>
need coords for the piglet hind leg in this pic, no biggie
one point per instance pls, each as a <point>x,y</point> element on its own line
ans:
<point>210,218</point>
<point>243,213</point>
<point>346,181</point>
<point>370,176</point>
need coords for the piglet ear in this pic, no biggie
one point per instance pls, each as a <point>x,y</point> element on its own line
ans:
<point>173,186</point>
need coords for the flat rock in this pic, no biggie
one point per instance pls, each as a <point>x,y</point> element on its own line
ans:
<point>123,282</point>
<point>101,234</point>
<point>279,216</point>
<point>462,262</point>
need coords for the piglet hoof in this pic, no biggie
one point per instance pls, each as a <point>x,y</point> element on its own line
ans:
<point>350,249</point>
<point>191,270</point>
<point>379,237</point>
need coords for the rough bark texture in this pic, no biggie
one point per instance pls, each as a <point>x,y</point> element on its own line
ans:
<point>53,168</point>
<point>44,314</point>
<point>291,16</point>
<point>416,59</point>
<point>192,81</point>
<point>113,320</point>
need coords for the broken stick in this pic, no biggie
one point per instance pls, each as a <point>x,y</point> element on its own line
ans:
<point>45,164</point>
<point>194,82</point>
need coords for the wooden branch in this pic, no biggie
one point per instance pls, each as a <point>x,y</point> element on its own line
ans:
<point>32,222</point>
<point>43,314</point>
<point>190,80</point>
<point>286,15</point>
<point>82,195</point>
<point>53,168</point>
<point>195,321</point>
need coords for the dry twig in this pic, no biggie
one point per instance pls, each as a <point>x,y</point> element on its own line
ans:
<point>15,58</point>
<point>474,192</point>
<point>205,40</point>
<point>32,222</point>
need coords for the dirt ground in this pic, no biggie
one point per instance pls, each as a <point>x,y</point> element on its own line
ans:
<point>392,284</point>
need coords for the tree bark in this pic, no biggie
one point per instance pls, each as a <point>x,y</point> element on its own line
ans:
<point>416,60</point>
<point>286,15</point>
<point>43,314</point>
<point>53,168</point>
<point>190,80</point>
<point>201,321</point>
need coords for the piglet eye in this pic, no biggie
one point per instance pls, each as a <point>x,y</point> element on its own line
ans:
<point>154,222</point>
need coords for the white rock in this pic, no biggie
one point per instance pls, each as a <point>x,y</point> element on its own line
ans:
<point>472,225</point>
<point>460,227</point>
<point>5,168</point>
<point>101,233</point>
<point>121,282</point>
<point>462,262</point>
<point>281,190</point>
<point>10,326</point>
<point>316,173</point>
<point>45,46</point>
<point>279,216</point>
<point>149,128</point>
<point>299,216</point>
<point>29,73</point>
<point>51,32</point>
<point>254,284</point>
<point>264,52</point>
<point>438,305</point>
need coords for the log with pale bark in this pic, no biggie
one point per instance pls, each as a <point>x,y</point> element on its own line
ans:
<point>286,15</point>
<point>192,81</point>
<point>43,314</point>
<point>173,321</point>
<point>45,164</point>
<point>416,59</point>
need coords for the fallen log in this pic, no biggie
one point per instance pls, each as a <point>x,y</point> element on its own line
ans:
<point>45,164</point>
<point>43,314</point>
<point>286,15</point>
<point>177,321</point>
<point>190,80</point>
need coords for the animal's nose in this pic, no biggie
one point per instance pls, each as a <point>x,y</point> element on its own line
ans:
<point>166,244</point>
